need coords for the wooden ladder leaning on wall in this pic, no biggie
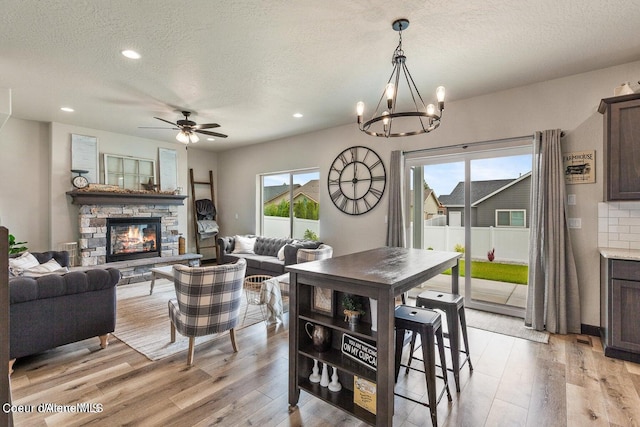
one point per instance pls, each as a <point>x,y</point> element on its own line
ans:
<point>199,246</point>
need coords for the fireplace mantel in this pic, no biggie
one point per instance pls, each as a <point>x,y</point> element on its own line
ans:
<point>115,198</point>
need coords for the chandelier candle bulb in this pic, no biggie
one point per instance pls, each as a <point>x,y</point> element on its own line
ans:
<point>440,94</point>
<point>360,111</point>
<point>390,91</point>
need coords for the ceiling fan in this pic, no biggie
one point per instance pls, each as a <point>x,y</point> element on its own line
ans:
<point>189,128</point>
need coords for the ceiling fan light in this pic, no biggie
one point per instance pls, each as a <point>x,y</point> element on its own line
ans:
<point>193,137</point>
<point>182,137</point>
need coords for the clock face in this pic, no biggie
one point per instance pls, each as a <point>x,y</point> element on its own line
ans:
<point>357,179</point>
<point>80,181</point>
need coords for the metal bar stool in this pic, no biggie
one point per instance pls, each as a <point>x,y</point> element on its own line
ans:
<point>428,324</point>
<point>453,307</point>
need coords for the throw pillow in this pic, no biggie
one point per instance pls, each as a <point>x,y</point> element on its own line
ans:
<point>243,245</point>
<point>21,263</point>
<point>48,267</point>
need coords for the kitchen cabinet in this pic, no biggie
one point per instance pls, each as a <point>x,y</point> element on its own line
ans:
<point>621,147</point>
<point>620,308</point>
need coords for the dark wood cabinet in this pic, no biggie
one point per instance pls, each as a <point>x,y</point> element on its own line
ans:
<point>381,274</point>
<point>620,308</point>
<point>621,147</point>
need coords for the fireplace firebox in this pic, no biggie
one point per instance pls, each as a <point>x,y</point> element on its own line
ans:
<point>133,238</point>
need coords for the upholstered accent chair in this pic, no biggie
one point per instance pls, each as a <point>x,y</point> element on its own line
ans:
<point>304,255</point>
<point>322,252</point>
<point>208,301</point>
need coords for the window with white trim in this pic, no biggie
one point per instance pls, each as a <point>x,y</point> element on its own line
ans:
<point>129,172</point>
<point>511,218</point>
<point>281,218</point>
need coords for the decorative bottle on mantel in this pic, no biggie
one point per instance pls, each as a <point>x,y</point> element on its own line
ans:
<point>181,245</point>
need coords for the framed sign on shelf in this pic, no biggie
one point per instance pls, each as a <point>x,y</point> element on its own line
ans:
<point>323,301</point>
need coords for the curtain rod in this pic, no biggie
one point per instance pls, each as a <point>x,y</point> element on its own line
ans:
<point>466,145</point>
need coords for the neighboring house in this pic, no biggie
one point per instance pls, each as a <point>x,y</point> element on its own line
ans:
<point>497,203</point>
<point>309,191</point>
<point>272,192</point>
<point>431,205</point>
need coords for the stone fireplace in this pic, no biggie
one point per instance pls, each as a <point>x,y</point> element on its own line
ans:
<point>100,211</point>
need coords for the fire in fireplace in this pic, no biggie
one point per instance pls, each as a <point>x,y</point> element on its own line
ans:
<point>132,238</point>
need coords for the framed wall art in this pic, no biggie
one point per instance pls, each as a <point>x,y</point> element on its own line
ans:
<point>323,301</point>
<point>84,156</point>
<point>579,167</point>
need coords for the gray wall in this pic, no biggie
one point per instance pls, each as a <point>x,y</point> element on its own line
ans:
<point>36,209</point>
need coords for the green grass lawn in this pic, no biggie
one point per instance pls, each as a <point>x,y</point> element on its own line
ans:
<point>511,273</point>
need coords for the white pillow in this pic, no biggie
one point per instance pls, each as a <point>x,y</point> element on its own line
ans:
<point>21,263</point>
<point>243,245</point>
<point>48,267</point>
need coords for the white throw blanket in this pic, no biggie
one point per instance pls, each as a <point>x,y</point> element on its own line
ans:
<point>271,296</point>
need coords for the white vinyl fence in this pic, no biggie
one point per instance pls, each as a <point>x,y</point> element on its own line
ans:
<point>275,226</point>
<point>510,244</point>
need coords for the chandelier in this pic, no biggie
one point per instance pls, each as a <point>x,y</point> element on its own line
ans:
<point>420,119</point>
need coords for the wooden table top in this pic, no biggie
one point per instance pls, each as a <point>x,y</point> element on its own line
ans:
<point>380,267</point>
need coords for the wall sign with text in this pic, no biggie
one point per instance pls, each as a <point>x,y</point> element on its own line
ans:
<point>579,167</point>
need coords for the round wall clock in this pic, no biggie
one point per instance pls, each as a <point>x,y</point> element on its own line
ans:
<point>356,181</point>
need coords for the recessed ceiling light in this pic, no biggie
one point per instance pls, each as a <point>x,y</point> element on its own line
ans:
<point>297,115</point>
<point>67,109</point>
<point>211,139</point>
<point>131,54</point>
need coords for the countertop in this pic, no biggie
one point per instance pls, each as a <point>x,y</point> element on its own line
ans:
<point>615,253</point>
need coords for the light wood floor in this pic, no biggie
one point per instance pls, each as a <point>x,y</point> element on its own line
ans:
<point>514,383</point>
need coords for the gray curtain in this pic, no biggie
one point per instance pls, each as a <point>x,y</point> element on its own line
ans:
<point>553,300</point>
<point>395,217</point>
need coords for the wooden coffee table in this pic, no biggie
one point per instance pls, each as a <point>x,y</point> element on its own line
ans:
<point>164,272</point>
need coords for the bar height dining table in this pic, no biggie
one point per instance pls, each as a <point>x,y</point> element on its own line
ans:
<point>382,274</point>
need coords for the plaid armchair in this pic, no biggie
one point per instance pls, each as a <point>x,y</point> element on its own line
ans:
<point>208,301</point>
<point>306,255</point>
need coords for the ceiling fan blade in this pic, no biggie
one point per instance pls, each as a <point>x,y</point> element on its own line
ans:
<point>207,126</point>
<point>154,127</point>
<point>166,121</point>
<point>206,132</point>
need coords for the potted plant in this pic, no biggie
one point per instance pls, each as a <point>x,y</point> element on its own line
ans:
<point>15,247</point>
<point>352,308</point>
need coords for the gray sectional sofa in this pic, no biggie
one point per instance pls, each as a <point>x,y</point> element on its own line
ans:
<point>264,259</point>
<point>57,309</point>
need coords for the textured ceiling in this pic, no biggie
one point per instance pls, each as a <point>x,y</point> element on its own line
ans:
<point>249,65</point>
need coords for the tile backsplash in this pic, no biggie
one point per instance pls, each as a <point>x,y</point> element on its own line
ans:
<point>619,225</point>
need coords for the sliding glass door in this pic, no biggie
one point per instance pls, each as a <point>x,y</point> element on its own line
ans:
<point>476,203</point>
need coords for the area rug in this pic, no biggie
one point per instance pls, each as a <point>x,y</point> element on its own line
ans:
<point>505,325</point>
<point>142,320</point>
